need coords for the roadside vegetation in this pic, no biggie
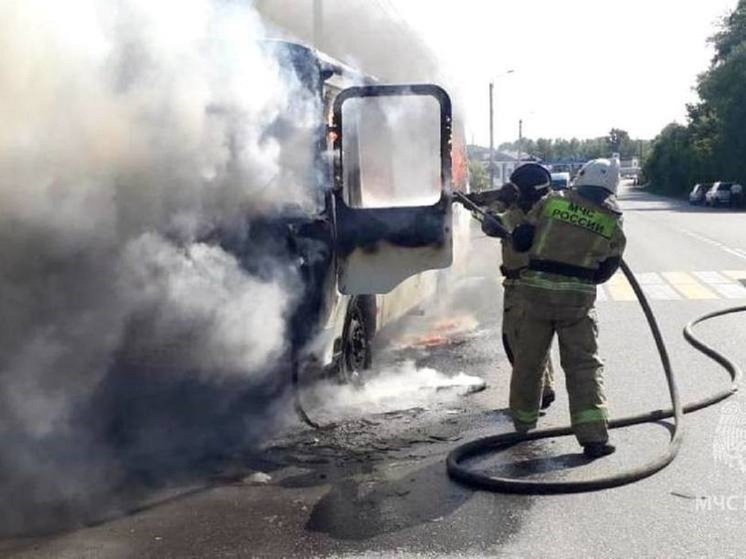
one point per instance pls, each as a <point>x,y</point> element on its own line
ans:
<point>616,141</point>
<point>556,150</point>
<point>712,144</point>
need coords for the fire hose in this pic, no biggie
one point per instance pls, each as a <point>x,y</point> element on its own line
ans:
<point>458,471</point>
<point>455,462</point>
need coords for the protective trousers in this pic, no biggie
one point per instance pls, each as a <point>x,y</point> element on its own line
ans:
<point>577,332</point>
<point>512,316</point>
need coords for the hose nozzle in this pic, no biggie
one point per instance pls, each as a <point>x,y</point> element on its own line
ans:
<point>481,215</point>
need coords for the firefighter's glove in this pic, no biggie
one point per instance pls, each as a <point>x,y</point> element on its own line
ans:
<point>476,197</point>
<point>506,195</point>
<point>492,226</point>
<point>523,237</point>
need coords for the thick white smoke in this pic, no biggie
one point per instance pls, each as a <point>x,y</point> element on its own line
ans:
<point>131,130</point>
<point>360,32</point>
<point>136,135</point>
<point>400,387</point>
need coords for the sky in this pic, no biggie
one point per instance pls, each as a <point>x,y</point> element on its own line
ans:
<point>580,67</point>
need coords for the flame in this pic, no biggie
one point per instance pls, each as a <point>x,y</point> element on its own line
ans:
<point>428,342</point>
<point>460,166</point>
<point>445,331</point>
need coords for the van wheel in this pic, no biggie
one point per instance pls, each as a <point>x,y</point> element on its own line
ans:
<point>357,335</point>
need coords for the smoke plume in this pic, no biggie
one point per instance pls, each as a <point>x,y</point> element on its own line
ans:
<point>145,295</point>
<point>394,388</point>
<point>361,33</point>
<point>132,131</point>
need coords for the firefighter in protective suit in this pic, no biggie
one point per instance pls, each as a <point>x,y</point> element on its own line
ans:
<point>574,241</point>
<point>528,184</point>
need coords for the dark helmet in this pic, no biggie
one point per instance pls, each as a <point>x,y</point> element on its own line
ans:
<point>533,180</point>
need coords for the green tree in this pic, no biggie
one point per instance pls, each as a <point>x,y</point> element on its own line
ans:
<point>731,34</point>
<point>617,139</point>
<point>548,149</point>
<point>669,166</point>
<point>711,145</point>
<point>723,90</point>
<point>544,149</point>
<point>479,179</point>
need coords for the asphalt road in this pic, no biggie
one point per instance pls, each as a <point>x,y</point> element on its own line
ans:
<point>376,485</point>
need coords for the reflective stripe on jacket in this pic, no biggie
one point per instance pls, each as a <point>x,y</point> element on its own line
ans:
<point>512,260</point>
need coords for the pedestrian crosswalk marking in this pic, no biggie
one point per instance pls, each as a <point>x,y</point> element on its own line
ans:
<point>676,286</point>
<point>736,274</point>
<point>723,285</point>
<point>688,286</point>
<point>731,290</point>
<point>656,288</point>
<point>619,289</point>
<point>661,292</point>
<point>711,277</point>
<point>649,278</point>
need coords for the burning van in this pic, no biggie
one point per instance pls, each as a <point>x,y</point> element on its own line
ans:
<point>184,211</point>
<point>383,165</point>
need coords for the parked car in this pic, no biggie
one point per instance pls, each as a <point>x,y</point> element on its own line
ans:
<point>736,196</point>
<point>724,194</point>
<point>560,181</point>
<point>697,195</point>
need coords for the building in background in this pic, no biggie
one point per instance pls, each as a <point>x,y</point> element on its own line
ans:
<point>505,161</point>
<point>566,165</point>
<point>629,168</point>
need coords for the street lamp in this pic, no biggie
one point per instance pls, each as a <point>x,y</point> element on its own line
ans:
<point>520,136</point>
<point>492,125</point>
<point>318,23</point>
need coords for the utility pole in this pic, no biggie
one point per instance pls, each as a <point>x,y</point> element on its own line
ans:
<point>318,23</point>
<point>492,125</point>
<point>492,136</point>
<point>520,140</point>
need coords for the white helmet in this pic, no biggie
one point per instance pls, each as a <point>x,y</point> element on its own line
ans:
<point>603,173</point>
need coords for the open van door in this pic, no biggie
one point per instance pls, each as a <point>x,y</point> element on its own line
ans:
<point>392,177</point>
